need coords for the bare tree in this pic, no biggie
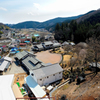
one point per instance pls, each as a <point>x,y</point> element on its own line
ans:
<point>67,47</point>
<point>93,52</point>
<point>82,55</point>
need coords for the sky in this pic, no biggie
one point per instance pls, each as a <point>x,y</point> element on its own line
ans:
<point>15,11</point>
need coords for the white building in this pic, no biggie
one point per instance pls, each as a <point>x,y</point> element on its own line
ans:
<point>6,82</point>
<point>35,88</point>
<point>5,64</point>
<point>47,75</point>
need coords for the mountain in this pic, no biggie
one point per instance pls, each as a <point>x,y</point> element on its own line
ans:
<point>34,24</point>
<point>3,26</point>
<point>87,15</point>
<point>80,29</point>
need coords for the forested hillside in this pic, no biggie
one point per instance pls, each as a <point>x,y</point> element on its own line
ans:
<point>2,26</point>
<point>79,30</point>
<point>49,24</point>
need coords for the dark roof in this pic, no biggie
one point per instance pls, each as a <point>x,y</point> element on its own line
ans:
<point>31,63</point>
<point>22,54</point>
<point>47,70</point>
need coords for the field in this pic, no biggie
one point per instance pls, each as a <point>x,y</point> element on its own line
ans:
<point>87,90</point>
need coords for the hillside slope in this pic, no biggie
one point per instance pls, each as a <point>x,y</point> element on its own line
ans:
<point>3,26</point>
<point>34,24</point>
<point>87,15</point>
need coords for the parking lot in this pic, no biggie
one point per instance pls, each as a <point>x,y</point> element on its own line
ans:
<point>14,68</point>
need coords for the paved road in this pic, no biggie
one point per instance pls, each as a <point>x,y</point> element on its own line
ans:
<point>14,68</point>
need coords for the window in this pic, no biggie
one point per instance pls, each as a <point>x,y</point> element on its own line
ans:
<point>40,79</point>
<point>47,76</point>
<point>59,72</point>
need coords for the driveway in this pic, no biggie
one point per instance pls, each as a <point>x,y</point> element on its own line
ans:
<point>47,57</point>
<point>14,68</point>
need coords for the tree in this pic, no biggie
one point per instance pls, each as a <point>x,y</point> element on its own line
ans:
<point>67,47</point>
<point>57,28</point>
<point>33,38</point>
<point>42,39</point>
<point>93,52</point>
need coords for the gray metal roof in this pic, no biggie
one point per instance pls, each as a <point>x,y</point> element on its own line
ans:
<point>48,43</point>
<point>22,54</point>
<point>48,70</point>
<point>56,44</point>
<point>31,63</point>
<point>40,46</point>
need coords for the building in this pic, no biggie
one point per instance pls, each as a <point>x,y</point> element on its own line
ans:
<point>65,43</point>
<point>45,45</point>
<point>6,82</point>
<point>5,64</point>
<point>28,60</point>
<point>55,45</point>
<point>35,88</point>
<point>37,47</point>
<point>47,74</point>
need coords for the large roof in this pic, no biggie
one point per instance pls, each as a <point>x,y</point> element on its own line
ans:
<point>4,65</point>
<point>48,43</point>
<point>8,58</point>
<point>35,88</point>
<point>47,70</point>
<point>22,54</point>
<point>31,63</point>
<point>6,92</point>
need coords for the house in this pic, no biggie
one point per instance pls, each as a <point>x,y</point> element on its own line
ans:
<point>5,48</point>
<point>48,74</point>
<point>28,61</point>
<point>28,38</point>
<point>22,55</point>
<point>22,40</point>
<point>47,44</point>
<point>6,92</point>
<point>38,47</point>
<point>22,44</point>
<point>5,64</point>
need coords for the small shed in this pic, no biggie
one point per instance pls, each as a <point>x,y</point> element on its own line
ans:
<point>64,43</point>
<point>5,64</point>
<point>56,45</point>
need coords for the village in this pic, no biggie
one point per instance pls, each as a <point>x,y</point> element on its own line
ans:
<point>44,69</point>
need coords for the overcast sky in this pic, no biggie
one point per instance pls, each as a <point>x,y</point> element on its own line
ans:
<point>15,11</point>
